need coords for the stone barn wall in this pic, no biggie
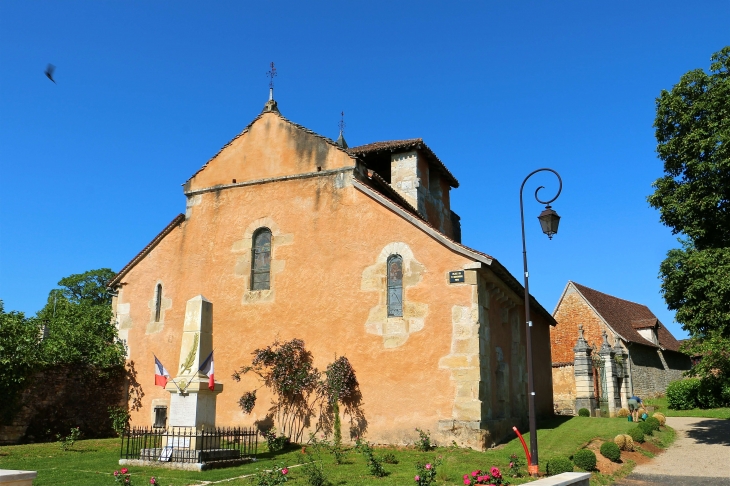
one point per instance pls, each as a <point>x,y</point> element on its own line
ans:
<point>652,369</point>
<point>564,392</point>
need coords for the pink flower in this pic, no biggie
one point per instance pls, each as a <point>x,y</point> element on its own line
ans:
<point>495,472</point>
<point>116,473</point>
<point>475,473</point>
<point>153,480</point>
<point>417,478</point>
<point>466,476</point>
<point>511,464</point>
<point>124,470</point>
<point>467,482</point>
<point>428,466</point>
<point>284,471</point>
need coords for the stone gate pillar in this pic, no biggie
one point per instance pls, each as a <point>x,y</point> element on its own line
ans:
<point>606,352</point>
<point>585,396</point>
<point>622,371</point>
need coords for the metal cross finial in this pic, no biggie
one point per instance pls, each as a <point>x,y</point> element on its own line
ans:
<point>271,74</point>
<point>341,124</point>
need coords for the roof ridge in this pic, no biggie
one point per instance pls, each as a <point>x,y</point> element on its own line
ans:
<point>248,127</point>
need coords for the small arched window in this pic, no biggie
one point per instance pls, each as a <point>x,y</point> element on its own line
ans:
<point>158,302</point>
<point>261,260</point>
<point>395,286</point>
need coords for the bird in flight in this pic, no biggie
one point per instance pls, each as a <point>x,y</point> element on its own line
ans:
<point>49,72</point>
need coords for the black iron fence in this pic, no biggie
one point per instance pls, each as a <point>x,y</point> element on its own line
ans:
<point>186,444</point>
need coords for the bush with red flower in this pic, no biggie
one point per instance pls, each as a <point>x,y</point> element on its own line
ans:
<point>426,473</point>
<point>272,477</point>
<point>123,477</point>
<point>493,477</point>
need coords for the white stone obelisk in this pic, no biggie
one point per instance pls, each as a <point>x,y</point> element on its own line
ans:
<point>192,403</point>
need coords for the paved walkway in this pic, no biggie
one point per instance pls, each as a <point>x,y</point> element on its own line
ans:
<point>699,456</point>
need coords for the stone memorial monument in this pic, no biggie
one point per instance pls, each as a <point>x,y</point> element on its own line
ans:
<point>192,402</point>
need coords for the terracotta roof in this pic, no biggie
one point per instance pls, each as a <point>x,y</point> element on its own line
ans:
<point>382,186</point>
<point>393,145</point>
<point>173,224</point>
<point>621,315</point>
<point>644,323</point>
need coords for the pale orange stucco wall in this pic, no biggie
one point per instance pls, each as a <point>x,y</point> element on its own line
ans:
<point>327,234</point>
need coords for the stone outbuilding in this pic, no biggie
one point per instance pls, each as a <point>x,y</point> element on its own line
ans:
<point>357,252</point>
<point>606,349</point>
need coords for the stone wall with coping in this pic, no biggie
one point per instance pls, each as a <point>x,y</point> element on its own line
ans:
<point>60,398</point>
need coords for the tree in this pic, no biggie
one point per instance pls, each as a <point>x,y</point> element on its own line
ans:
<point>79,320</point>
<point>693,197</point>
<point>693,134</point>
<point>19,355</point>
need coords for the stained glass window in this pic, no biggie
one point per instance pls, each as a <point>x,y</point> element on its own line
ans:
<point>158,302</point>
<point>261,260</point>
<point>395,286</point>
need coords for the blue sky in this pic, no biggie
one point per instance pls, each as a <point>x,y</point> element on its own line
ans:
<point>147,92</point>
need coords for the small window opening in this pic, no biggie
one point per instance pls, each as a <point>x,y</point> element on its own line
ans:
<point>319,168</point>
<point>233,181</point>
<point>158,303</point>
<point>395,286</point>
<point>261,260</point>
<point>160,417</point>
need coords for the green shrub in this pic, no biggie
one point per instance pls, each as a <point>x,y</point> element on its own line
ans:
<point>682,394</point>
<point>585,459</point>
<point>389,458</point>
<point>654,422</point>
<point>611,451</point>
<point>646,428</point>
<point>120,419</point>
<point>558,465</point>
<point>584,412</point>
<point>423,443</point>
<point>636,434</point>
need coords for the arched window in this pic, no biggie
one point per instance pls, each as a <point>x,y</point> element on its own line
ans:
<point>395,286</point>
<point>261,260</point>
<point>158,302</point>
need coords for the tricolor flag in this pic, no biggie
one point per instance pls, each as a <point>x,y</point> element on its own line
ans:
<point>207,368</point>
<point>161,374</point>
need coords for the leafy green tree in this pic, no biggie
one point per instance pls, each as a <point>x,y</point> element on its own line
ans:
<point>19,355</point>
<point>693,198</point>
<point>693,134</point>
<point>79,320</point>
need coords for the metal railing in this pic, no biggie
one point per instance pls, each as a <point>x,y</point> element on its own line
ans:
<point>186,444</point>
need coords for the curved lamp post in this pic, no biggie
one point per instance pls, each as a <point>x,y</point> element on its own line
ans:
<point>549,220</point>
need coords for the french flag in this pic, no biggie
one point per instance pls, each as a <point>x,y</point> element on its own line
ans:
<point>161,374</point>
<point>207,369</point>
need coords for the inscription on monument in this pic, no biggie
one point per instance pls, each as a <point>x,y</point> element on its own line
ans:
<point>183,410</point>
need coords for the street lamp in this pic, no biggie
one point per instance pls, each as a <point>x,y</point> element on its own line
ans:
<point>549,220</point>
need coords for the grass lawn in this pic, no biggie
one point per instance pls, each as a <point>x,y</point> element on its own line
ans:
<point>660,404</point>
<point>91,462</point>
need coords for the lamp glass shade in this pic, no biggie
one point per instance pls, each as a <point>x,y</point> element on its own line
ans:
<point>549,221</point>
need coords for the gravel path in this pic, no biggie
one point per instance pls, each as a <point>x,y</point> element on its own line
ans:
<point>700,455</point>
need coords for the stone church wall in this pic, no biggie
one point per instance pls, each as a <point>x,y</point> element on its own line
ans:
<point>60,398</point>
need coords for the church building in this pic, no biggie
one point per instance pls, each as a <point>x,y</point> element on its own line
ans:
<point>357,252</point>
